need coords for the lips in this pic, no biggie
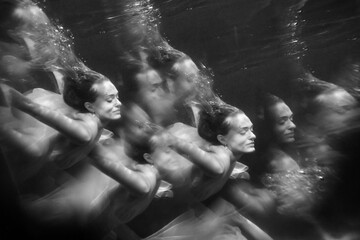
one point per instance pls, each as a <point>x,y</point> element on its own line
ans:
<point>117,111</point>
<point>290,135</point>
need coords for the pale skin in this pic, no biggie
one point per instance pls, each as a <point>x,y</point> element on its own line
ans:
<point>137,181</point>
<point>214,160</point>
<point>133,176</point>
<point>113,156</point>
<point>240,192</point>
<point>80,128</point>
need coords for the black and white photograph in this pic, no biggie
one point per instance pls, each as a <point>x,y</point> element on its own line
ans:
<point>180,119</point>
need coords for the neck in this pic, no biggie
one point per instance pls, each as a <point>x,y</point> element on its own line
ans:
<point>103,123</point>
<point>283,146</point>
<point>237,156</point>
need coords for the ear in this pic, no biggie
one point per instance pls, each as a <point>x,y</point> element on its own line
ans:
<point>89,107</point>
<point>221,139</point>
<point>148,158</point>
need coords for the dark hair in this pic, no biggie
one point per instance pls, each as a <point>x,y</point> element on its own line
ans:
<point>265,119</point>
<point>161,56</point>
<point>79,89</point>
<point>212,122</point>
<point>268,101</point>
<point>164,59</point>
<point>131,64</point>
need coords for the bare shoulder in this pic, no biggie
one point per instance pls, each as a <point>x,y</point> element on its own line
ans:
<point>218,151</point>
<point>147,171</point>
<point>89,120</point>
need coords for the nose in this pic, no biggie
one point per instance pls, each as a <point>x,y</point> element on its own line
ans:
<point>252,135</point>
<point>117,102</point>
<point>292,125</point>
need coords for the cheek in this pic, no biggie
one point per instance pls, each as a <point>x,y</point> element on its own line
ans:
<point>106,107</point>
<point>239,141</point>
<point>160,161</point>
<point>279,130</point>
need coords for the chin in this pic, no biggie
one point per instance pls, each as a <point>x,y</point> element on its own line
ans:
<point>251,150</point>
<point>116,117</point>
<point>289,140</point>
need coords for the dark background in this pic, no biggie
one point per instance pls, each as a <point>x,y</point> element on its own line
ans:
<point>248,44</point>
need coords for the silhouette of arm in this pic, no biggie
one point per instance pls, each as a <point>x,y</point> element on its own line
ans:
<point>108,162</point>
<point>209,161</point>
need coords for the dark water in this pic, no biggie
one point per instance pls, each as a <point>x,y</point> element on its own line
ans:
<point>249,44</point>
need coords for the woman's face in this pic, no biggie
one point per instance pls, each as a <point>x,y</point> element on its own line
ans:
<point>240,138</point>
<point>283,123</point>
<point>107,105</point>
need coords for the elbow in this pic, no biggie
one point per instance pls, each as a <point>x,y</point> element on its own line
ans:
<point>35,151</point>
<point>218,171</point>
<point>85,137</point>
<point>143,189</point>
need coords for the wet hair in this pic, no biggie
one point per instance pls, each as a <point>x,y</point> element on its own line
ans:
<point>131,64</point>
<point>213,121</point>
<point>78,89</point>
<point>164,60</point>
<point>268,101</point>
<point>161,57</point>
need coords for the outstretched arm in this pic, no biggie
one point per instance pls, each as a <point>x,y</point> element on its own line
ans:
<point>77,130</point>
<point>108,162</point>
<point>211,162</point>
